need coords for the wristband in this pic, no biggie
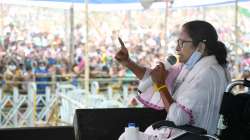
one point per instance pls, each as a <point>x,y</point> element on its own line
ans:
<point>156,88</point>
<point>161,87</point>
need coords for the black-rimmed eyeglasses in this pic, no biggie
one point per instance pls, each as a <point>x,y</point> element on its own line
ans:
<point>181,42</point>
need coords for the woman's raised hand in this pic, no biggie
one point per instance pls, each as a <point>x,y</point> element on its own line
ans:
<point>122,56</point>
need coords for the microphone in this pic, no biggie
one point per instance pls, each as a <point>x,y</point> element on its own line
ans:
<point>145,84</point>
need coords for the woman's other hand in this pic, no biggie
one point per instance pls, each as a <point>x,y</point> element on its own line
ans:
<point>159,74</point>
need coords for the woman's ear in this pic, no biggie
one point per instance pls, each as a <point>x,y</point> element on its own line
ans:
<point>201,47</point>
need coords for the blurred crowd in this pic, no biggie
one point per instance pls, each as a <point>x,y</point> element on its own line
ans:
<point>44,56</point>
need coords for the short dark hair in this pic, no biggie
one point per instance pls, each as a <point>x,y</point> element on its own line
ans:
<point>202,31</point>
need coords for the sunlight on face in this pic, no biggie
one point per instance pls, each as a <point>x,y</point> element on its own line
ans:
<point>184,48</point>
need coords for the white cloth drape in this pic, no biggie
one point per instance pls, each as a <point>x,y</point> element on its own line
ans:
<point>198,94</point>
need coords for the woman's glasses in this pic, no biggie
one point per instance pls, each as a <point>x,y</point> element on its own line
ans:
<point>181,42</point>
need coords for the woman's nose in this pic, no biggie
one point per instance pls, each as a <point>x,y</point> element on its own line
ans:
<point>177,48</point>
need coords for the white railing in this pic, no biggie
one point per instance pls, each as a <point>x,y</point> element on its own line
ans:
<point>56,108</point>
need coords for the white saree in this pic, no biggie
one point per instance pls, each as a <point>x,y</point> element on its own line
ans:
<point>197,94</point>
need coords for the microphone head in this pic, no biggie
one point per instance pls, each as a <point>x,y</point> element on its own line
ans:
<point>172,59</point>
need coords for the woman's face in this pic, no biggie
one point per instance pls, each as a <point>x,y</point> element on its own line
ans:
<point>184,47</point>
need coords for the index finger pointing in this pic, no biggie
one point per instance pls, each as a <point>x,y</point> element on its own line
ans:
<point>121,42</point>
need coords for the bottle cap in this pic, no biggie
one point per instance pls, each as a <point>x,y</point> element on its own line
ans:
<point>131,124</point>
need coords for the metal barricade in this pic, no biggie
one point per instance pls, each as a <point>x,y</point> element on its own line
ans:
<point>57,106</point>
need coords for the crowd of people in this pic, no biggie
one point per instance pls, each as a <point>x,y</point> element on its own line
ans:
<point>31,54</point>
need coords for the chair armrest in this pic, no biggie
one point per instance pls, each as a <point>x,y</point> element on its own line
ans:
<point>192,132</point>
<point>188,128</point>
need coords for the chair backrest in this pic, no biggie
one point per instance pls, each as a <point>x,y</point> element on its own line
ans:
<point>236,114</point>
<point>108,124</point>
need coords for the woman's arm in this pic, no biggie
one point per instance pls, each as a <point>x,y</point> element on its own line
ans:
<point>138,70</point>
<point>165,96</point>
<point>122,56</point>
<point>159,75</point>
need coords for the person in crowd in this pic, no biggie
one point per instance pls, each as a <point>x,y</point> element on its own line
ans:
<point>245,66</point>
<point>28,77</point>
<point>42,77</point>
<point>76,73</point>
<point>195,96</point>
<point>12,77</point>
